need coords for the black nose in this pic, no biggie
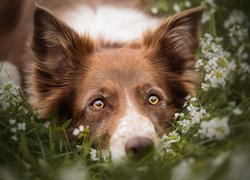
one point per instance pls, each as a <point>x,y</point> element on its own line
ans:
<point>139,146</point>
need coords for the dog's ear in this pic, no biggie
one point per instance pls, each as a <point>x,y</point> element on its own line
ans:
<point>58,50</point>
<point>172,45</point>
<point>56,43</point>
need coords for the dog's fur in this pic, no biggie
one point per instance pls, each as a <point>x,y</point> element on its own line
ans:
<point>79,57</point>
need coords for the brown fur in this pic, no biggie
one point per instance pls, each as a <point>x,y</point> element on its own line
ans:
<point>69,71</point>
<point>82,72</point>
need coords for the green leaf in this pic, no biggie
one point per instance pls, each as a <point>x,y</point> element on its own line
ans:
<point>66,124</point>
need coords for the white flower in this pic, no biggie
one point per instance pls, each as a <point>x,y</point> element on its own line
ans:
<point>93,155</point>
<point>187,4</point>
<point>185,125</point>
<point>154,10</point>
<point>78,130</point>
<point>214,129</point>
<point>235,17</point>
<point>176,8</point>
<point>204,86</point>
<point>9,95</point>
<point>238,34</point>
<point>215,62</point>
<point>47,124</point>
<point>193,99</point>
<point>188,97</point>
<point>21,126</point>
<point>172,137</point>
<point>176,115</point>
<point>191,108</point>
<point>14,137</point>
<point>12,121</point>
<point>245,68</point>
<point>79,147</point>
<point>23,110</point>
<point>13,130</point>
<point>81,128</point>
<point>237,111</point>
<point>205,18</point>
<point>210,10</point>
<point>183,170</point>
<point>199,63</point>
<point>240,53</point>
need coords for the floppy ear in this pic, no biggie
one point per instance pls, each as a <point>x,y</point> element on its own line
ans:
<point>58,50</point>
<point>172,46</point>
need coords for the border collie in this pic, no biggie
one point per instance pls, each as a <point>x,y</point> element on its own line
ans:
<point>113,68</point>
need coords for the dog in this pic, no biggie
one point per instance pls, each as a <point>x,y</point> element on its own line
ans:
<point>112,68</point>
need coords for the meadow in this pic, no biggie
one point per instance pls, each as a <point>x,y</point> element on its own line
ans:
<point>209,139</point>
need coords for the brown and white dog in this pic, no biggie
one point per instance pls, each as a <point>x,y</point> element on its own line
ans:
<point>113,68</point>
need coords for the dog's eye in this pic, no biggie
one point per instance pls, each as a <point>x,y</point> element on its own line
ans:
<point>98,104</point>
<point>153,100</point>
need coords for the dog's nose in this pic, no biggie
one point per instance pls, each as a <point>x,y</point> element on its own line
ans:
<point>139,146</point>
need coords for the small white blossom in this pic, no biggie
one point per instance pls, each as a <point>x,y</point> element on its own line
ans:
<point>12,121</point>
<point>14,137</point>
<point>216,63</point>
<point>235,17</point>
<point>23,110</point>
<point>172,137</point>
<point>193,99</point>
<point>93,155</point>
<point>241,54</point>
<point>210,10</point>
<point>245,68</point>
<point>21,126</point>
<point>196,113</point>
<point>183,169</point>
<point>187,4</point>
<point>76,132</point>
<point>154,10</point>
<point>237,35</point>
<point>188,97</point>
<point>79,147</point>
<point>9,95</point>
<point>204,86</point>
<point>185,125</point>
<point>81,128</point>
<point>47,124</point>
<point>176,8</point>
<point>13,130</point>
<point>237,111</point>
<point>216,129</point>
<point>176,115</point>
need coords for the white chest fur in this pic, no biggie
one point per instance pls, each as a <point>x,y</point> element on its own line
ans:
<point>109,23</point>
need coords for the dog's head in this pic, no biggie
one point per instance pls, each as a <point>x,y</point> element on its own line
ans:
<point>126,95</point>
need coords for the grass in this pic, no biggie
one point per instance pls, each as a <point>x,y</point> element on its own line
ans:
<point>32,150</point>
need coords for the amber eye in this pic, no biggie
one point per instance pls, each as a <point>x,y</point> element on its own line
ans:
<point>98,104</point>
<point>153,100</point>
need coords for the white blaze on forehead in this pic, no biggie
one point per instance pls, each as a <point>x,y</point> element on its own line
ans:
<point>109,23</point>
<point>130,125</point>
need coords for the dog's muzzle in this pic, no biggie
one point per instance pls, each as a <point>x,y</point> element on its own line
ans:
<point>139,146</point>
